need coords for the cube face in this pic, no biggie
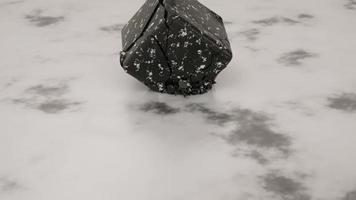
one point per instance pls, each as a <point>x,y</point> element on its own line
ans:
<point>137,24</point>
<point>180,49</point>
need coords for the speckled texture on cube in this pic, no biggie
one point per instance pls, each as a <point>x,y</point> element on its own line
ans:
<point>175,47</point>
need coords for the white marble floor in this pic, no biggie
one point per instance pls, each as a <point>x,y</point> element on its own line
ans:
<point>280,123</point>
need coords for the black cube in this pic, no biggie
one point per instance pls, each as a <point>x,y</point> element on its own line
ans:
<point>175,46</point>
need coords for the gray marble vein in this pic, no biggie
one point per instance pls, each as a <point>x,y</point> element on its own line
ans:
<point>40,20</point>
<point>295,57</point>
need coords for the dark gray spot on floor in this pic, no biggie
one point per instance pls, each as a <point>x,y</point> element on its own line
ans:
<point>219,118</point>
<point>43,90</point>
<point>351,5</point>
<point>56,106</point>
<point>255,129</point>
<point>159,108</point>
<point>258,156</point>
<point>113,28</point>
<point>284,187</point>
<point>345,102</point>
<point>48,98</point>
<point>251,34</point>
<point>23,101</point>
<point>289,21</point>
<point>228,22</point>
<point>49,106</point>
<point>11,2</point>
<point>253,134</point>
<point>305,16</point>
<point>350,196</point>
<point>295,57</point>
<point>8,185</point>
<point>40,20</point>
<point>276,20</point>
<point>267,22</point>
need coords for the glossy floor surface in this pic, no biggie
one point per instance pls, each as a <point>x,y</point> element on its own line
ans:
<point>279,125</point>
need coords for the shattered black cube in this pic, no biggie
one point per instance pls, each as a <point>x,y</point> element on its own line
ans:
<point>175,46</point>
